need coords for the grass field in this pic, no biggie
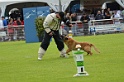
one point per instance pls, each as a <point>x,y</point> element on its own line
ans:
<point>18,62</point>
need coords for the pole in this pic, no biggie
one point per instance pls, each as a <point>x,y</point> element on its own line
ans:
<point>78,58</point>
<point>60,6</point>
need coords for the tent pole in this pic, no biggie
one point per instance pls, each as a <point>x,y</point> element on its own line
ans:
<point>60,6</point>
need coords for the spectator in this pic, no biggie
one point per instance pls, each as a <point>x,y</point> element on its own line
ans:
<point>99,16</point>
<point>85,19</point>
<point>19,29</point>
<point>68,16</point>
<point>19,22</point>
<point>11,29</point>
<point>1,25</point>
<point>116,19</point>
<point>107,15</point>
<point>73,17</point>
<point>109,10</point>
<point>5,22</point>
<point>122,14</point>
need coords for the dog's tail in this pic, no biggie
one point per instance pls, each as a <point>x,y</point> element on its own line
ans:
<point>95,48</point>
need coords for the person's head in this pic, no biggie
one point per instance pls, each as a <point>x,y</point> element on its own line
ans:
<point>3,17</point>
<point>73,15</point>
<point>60,15</point>
<point>18,19</point>
<point>68,15</point>
<point>84,14</point>
<point>99,12</point>
<point>108,9</point>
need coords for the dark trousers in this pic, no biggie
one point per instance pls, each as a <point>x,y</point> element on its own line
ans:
<point>46,41</point>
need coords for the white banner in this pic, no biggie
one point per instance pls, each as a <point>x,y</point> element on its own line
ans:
<point>107,28</point>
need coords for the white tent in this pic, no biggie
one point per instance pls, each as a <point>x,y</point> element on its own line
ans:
<point>54,4</point>
<point>120,2</point>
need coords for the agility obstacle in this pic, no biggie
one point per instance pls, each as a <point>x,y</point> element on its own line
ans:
<point>79,60</point>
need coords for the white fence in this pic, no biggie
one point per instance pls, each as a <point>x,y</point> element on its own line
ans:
<point>106,26</point>
<point>12,32</point>
<point>97,26</point>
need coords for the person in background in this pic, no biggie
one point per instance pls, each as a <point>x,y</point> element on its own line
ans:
<point>99,15</point>
<point>11,29</point>
<point>19,22</point>
<point>73,17</point>
<point>107,15</point>
<point>122,13</point>
<point>19,28</point>
<point>68,16</point>
<point>2,29</point>
<point>52,25</point>
<point>85,19</point>
<point>116,17</point>
<point>1,25</point>
<point>5,22</point>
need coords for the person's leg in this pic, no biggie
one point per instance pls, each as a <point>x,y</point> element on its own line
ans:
<point>44,45</point>
<point>59,43</point>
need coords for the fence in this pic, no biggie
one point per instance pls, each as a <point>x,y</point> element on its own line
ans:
<point>96,26</point>
<point>12,32</point>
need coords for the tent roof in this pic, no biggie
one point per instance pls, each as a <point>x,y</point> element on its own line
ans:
<point>51,3</point>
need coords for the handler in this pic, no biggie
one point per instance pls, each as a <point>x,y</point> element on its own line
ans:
<point>52,25</point>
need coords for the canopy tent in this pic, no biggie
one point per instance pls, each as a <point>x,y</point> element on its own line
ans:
<point>54,4</point>
<point>120,2</point>
<point>104,4</point>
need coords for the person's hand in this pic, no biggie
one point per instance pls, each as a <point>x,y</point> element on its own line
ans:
<point>51,33</point>
<point>85,20</point>
<point>71,25</point>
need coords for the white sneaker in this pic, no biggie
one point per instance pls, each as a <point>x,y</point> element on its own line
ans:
<point>39,58</point>
<point>41,52</point>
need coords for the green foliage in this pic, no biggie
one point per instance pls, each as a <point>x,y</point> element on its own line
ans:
<point>39,25</point>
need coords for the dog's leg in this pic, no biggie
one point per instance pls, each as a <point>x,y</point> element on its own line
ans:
<point>90,52</point>
<point>67,51</point>
<point>87,53</point>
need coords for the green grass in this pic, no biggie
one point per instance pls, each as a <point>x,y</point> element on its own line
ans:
<point>18,62</point>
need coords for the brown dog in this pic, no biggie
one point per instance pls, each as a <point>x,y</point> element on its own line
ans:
<point>71,44</point>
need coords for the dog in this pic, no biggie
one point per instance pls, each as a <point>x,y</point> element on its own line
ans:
<point>71,44</point>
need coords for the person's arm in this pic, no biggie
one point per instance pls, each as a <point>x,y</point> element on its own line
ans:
<point>47,22</point>
<point>81,19</point>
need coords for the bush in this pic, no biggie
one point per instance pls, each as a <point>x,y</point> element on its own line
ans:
<point>39,26</point>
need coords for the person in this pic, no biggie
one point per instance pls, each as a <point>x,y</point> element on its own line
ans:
<point>85,19</point>
<point>5,22</point>
<point>107,15</point>
<point>19,29</point>
<point>68,17</point>
<point>1,25</point>
<point>73,17</point>
<point>122,13</point>
<point>99,16</point>
<point>116,17</point>
<point>52,25</point>
<point>1,29</point>
<point>11,29</point>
